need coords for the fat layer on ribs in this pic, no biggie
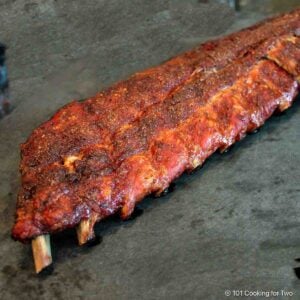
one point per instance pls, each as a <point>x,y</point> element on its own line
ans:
<point>97,157</point>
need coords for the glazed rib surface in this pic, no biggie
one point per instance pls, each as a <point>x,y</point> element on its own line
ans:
<point>103,155</point>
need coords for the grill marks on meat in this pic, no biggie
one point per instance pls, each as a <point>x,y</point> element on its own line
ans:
<point>108,152</point>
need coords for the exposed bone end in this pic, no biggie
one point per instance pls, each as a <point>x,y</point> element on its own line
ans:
<point>85,229</point>
<point>41,250</point>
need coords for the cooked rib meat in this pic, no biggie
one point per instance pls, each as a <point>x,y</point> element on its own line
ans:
<point>101,156</point>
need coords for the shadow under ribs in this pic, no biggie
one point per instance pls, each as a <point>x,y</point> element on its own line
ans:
<point>105,154</point>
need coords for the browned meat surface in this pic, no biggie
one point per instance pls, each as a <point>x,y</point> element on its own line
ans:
<point>103,155</point>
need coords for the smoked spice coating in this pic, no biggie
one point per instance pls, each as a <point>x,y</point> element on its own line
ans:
<point>103,155</point>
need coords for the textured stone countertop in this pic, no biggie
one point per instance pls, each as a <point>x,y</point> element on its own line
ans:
<point>234,224</point>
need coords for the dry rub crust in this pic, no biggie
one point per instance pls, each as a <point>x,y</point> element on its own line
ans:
<point>105,154</point>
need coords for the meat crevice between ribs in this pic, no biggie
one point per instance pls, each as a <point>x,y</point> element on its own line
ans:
<point>103,155</point>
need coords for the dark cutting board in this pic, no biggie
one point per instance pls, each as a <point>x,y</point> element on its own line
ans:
<point>232,225</point>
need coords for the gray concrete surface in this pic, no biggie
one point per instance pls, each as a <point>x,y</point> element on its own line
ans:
<point>233,225</point>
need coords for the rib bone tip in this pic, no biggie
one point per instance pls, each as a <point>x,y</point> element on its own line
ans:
<point>85,229</point>
<point>41,250</point>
